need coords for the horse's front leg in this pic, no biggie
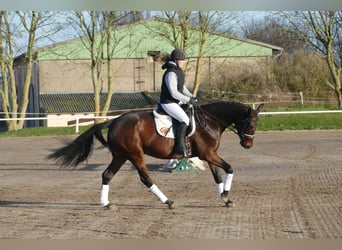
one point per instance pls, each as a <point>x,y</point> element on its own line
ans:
<point>223,176</point>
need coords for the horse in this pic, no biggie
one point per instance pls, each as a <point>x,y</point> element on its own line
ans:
<point>133,134</point>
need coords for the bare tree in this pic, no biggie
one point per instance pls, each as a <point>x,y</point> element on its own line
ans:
<point>97,29</point>
<point>273,29</point>
<point>180,23</point>
<point>178,35</point>
<point>322,30</point>
<point>94,43</point>
<point>109,20</point>
<point>208,22</point>
<point>204,19</point>
<point>15,92</point>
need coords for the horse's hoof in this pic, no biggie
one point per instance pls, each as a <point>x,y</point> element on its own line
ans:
<point>171,204</point>
<point>224,196</point>
<point>111,206</point>
<point>230,203</point>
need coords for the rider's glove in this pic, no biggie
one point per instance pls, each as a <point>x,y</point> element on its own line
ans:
<point>193,100</point>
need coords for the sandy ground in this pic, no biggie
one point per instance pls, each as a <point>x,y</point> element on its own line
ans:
<point>288,186</point>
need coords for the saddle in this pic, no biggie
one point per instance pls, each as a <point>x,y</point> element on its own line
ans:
<point>167,125</point>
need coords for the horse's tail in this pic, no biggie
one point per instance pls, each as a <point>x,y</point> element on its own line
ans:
<point>78,150</point>
<point>98,132</point>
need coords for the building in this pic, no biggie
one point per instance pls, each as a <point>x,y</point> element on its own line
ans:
<point>63,69</point>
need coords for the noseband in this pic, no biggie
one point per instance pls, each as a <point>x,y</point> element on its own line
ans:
<point>242,133</point>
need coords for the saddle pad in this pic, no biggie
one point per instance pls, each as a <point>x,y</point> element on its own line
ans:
<point>164,125</point>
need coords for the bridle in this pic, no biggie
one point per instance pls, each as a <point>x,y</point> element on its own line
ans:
<point>242,134</point>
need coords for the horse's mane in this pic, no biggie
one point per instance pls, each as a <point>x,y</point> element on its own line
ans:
<point>218,111</point>
<point>224,102</point>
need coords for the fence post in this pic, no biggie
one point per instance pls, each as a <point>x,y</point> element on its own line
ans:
<point>77,125</point>
<point>301,97</point>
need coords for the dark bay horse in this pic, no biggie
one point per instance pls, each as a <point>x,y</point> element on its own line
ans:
<point>133,134</point>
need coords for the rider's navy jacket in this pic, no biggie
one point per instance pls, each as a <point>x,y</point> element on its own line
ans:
<point>165,96</point>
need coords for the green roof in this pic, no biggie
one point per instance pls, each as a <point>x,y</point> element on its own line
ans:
<point>136,39</point>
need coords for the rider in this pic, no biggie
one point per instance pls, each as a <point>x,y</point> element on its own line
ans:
<point>174,93</point>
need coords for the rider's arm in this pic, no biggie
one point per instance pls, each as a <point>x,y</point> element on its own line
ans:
<point>187,92</point>
<point>171,83</point>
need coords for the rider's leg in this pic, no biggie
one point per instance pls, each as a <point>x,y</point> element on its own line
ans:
<point>180,140</point>
<point>174,110</point>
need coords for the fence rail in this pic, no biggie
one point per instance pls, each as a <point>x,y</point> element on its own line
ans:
<point>89,118</point>
<point>300,112</point>
<point>77,119</point>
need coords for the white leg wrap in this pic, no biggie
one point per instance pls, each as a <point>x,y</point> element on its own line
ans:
<point>154,189</point>
<point>228,182</point>
<point>220,188</point>
<point>104,195</point>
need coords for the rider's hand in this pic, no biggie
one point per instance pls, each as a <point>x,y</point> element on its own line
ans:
<point>193,100</point>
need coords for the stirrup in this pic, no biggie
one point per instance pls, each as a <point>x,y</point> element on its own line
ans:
<point>187,147</point>
<point>180,152</point>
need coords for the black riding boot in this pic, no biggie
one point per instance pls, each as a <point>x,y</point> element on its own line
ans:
<point>180,140</point>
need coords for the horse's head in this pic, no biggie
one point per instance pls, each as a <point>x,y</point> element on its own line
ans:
<point>247,125</point>
<point>236,116</point>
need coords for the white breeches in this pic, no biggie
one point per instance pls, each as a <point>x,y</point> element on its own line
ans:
<point>176,111</point>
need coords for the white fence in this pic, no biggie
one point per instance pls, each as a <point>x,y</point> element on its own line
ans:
<point>300,112</point>
<point>65,118</point>
<point>76,119</point>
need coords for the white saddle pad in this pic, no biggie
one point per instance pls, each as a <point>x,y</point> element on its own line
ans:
<point>164,125</point>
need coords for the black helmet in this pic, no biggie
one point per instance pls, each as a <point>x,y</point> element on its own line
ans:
<point>178,54</point>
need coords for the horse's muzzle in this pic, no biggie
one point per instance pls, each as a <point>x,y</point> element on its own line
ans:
<point>246,143</point>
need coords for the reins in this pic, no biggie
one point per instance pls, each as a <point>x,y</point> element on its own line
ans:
<point>200,112</point>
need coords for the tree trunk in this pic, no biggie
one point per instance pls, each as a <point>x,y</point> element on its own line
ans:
<point>335,72</point>
<point>339,99</point>
<point>198,64</point>
<point>110,51</point>
<point>13,109</point>
<point>96,87</point>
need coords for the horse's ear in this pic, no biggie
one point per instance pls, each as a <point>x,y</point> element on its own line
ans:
<point>260,107</point>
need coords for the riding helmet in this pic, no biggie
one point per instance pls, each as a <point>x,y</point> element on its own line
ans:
<point>178,54</point>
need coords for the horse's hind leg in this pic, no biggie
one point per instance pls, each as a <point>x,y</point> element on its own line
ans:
<point>107,176</point>
<point>145,178</point>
